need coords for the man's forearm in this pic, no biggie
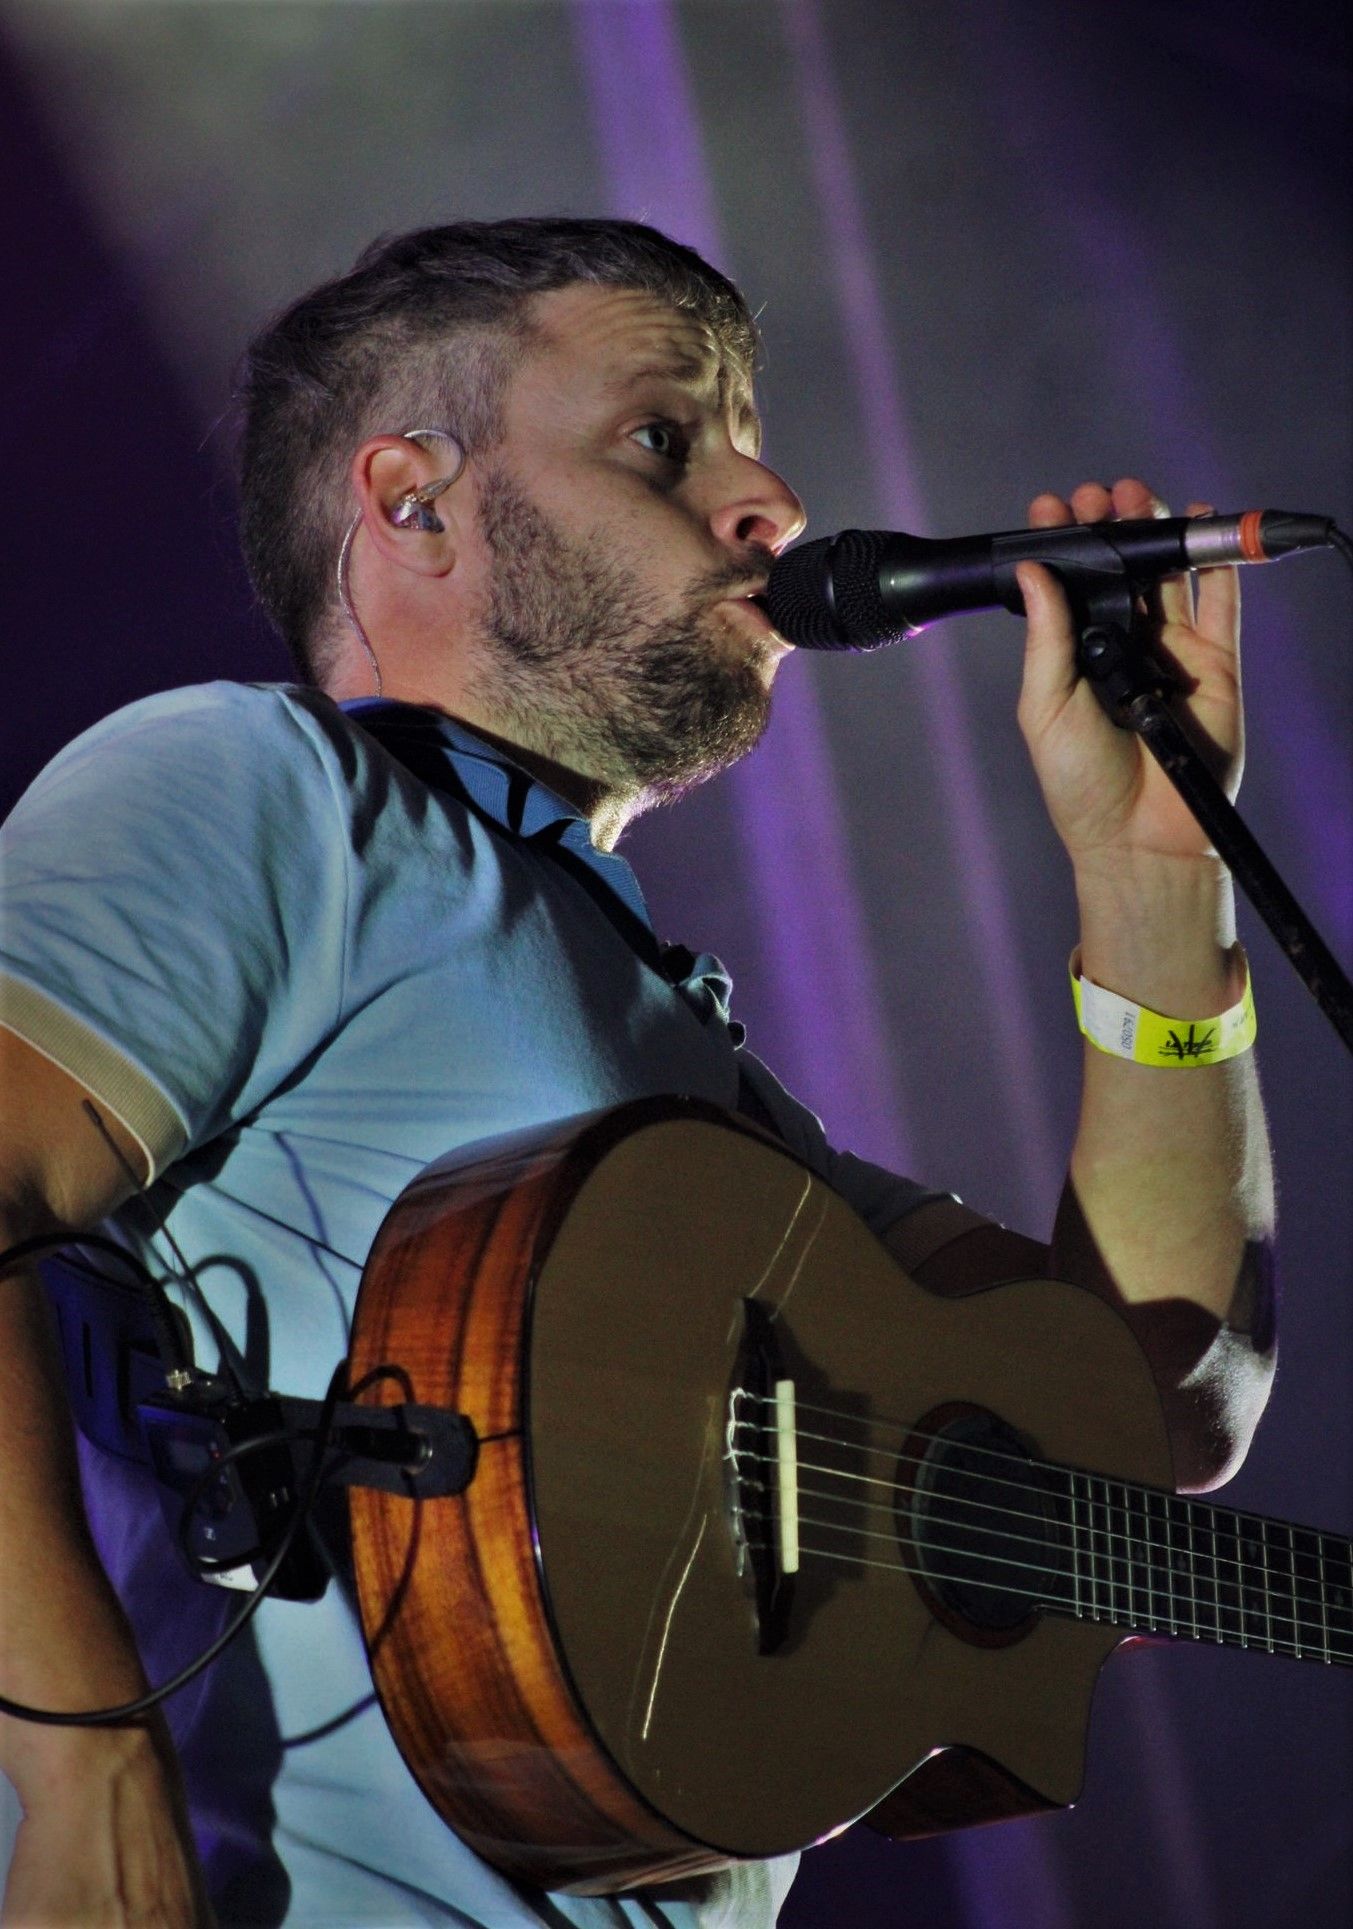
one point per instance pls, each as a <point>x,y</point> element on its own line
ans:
<point>1168,1210</point>
<point>105,1834</point>
<point>1170,1166</point>
<point>64,1641</point>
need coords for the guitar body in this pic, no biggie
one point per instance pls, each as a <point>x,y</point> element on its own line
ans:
<point>572,1655</point>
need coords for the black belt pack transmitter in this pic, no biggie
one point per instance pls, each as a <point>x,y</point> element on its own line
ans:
<point>233,1468</point>
<point>227,1511</point>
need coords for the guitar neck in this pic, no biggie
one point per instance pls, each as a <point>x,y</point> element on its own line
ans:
<point>1168,1564</point>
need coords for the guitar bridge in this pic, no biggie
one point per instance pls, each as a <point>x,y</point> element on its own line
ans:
<point>761,1473</point>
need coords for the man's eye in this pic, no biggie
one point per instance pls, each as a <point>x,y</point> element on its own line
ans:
<point>663,439</point>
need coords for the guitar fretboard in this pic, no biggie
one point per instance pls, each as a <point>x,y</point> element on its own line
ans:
<point>1169,1564</point>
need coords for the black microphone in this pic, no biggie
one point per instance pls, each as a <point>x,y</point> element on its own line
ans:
<point>868,587</point>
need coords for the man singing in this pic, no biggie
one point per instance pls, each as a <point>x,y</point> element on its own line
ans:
<point>267,951</point>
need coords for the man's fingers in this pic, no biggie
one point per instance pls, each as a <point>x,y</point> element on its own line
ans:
<point>1048,511</point>
<point>1171,600</point>
<point>1133,499</point>
<point>1050,673</point>
<point>1092,502</point>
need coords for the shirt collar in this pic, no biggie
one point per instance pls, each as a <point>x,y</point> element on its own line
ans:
<point>525,808</point>
<point>497,786</point>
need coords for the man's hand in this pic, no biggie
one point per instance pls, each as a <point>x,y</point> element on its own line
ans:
<point>1106,794</point>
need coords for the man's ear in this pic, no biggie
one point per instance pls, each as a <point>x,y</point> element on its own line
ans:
<point>402,489</point>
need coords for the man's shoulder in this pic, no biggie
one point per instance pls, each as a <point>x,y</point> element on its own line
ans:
<point>254,712</point>
<point>236,736</point>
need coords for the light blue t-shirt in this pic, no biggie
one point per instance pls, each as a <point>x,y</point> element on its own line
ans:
<point>298,973</point>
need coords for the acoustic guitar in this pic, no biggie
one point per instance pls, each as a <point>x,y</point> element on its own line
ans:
<point>763,1537</point>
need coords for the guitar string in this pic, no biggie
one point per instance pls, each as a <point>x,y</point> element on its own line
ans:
<point>1082,1530</point>
<point>1269,1550</point>
<point>1269,1643</point>
<point>1156,1583</point>
<point>908,1429</point>
<point>1098,1538</point>
<point>1022,1461</point>
<point>1097,1609</point>
<point>870,1480</point>
<point>1113,1613</point>
<point>1076,1581</point>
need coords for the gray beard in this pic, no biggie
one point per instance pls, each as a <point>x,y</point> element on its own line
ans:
<point>588,672</point>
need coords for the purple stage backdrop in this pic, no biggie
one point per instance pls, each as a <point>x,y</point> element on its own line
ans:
<point>996,247</point>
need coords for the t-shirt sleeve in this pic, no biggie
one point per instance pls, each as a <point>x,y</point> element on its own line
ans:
<point>173,907</point>
<point>880,1197</point>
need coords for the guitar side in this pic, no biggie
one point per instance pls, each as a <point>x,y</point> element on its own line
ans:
<point>461,1650</point>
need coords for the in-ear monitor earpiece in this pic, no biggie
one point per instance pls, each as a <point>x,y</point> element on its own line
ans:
<point>412,511</point>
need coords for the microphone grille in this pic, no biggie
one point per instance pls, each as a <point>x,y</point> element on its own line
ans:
<point>859,607</point>
<point>824,595</point>
<point>799,598</point>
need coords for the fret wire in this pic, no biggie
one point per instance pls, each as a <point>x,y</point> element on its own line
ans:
<point>1342,1595</point>
<point>1148,1565</point>
<point>1241,1630</point>
<point>1257,1618</point>
<point>1122,1563</point>
<point>1224,1583</point>
<point>1167,1526</point>
<point>1135,1543</point>
<point>1246,1587</point>
<point>1088,1511</point>
<point>1115,1583</point>
<point>1268,1592</point>
<point>1274,1576</point>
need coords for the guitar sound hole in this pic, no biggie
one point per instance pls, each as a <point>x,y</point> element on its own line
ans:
<point>978,1523</point>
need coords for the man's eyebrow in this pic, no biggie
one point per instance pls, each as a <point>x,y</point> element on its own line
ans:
<point>696,370</point>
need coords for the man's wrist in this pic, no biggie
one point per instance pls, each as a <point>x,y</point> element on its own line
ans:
<point>1161,931</point>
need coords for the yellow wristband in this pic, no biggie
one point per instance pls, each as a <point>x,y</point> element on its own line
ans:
<point>1125,1030</point>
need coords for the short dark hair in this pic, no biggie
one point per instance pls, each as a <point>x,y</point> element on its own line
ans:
<point>425,329</point>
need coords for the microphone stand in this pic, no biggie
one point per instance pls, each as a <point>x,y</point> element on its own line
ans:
<point>1134,690</point>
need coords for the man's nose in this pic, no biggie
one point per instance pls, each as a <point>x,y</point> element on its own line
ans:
<point>760,511</point>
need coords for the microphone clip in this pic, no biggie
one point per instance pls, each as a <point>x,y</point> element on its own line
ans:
<point>1112,652</point>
